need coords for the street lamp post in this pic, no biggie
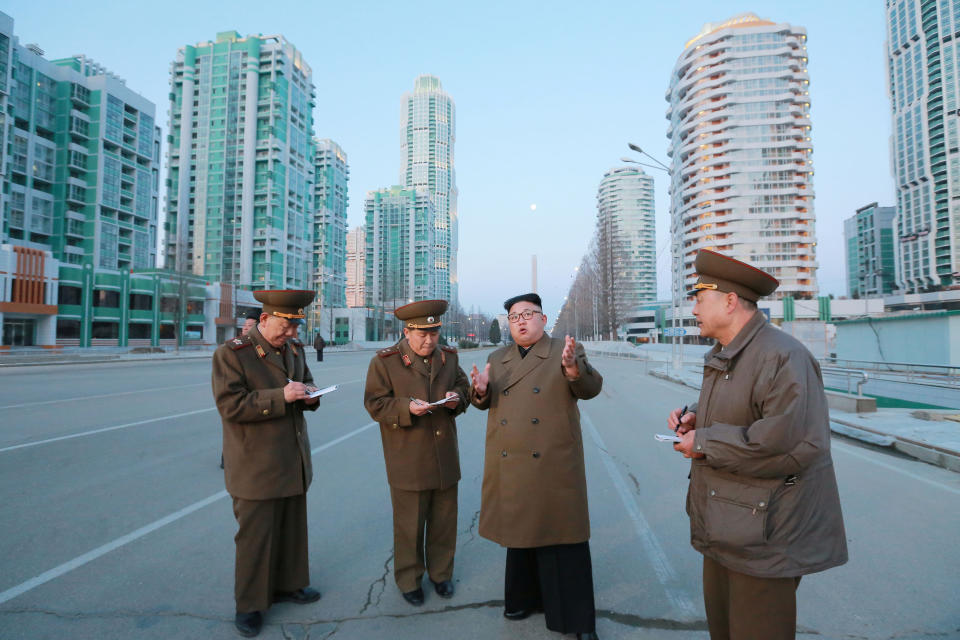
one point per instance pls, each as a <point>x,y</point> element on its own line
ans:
<point>677,343</point>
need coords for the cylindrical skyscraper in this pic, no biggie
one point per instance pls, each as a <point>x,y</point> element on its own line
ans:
<point>741,168</point>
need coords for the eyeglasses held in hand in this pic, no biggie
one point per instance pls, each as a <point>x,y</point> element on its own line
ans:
<point>526,314</point>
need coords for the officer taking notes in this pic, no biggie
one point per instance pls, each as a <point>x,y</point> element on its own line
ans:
<point>406,386</point>
<point>763,501</point>
<point>260,385</point>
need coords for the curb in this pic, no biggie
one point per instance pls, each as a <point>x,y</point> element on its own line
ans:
<point>923,451</point>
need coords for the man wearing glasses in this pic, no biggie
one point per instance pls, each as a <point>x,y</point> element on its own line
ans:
<point>534,496</point>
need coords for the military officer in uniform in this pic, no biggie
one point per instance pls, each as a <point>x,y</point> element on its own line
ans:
<point>534,496</point>
<point>763,501</point>
<point>260,384</point>
<point>420,446</point>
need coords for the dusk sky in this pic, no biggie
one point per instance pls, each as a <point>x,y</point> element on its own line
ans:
<point>548,95</point>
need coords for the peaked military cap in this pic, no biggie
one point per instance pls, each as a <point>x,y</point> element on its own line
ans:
<point>285,303</point>
<point>718,272</point>
<point>423,314</point>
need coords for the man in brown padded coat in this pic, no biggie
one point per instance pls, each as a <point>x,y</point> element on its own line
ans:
<point>534,496</point>
<point>763,501</point>
<point>420,446</point>
<point>261,384</point>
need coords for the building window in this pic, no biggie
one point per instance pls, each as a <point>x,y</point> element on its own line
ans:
<point>67,328</point>
<point>109,299</point>
<point>106,330</point>
<point>140,330</point>
<point>141,301</point>
<point>67,294</point>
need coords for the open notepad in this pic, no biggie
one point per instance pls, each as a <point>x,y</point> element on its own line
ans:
<point>316,393</point>
<point>443,401</point>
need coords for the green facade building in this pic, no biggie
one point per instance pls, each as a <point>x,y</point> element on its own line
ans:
<point>331,175</point>
<point>869,239</point>
<point>240,200</point>
<point>80,158</point>
<point>400,249</point>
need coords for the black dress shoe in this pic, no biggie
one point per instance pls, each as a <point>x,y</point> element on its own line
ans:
<point>414,597</point>
<point>519,614</point>
<point>300,596</point>
<point>444,589</point>
<point>248,624</point>
<point>590,635</point>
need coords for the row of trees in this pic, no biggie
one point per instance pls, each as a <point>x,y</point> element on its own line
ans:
<point>593,309</point>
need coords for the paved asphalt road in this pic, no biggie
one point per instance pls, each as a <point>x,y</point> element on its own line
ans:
<point>114,524</point>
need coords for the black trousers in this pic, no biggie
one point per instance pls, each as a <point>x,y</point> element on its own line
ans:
<point>558,579</point>
<point>319,355</point>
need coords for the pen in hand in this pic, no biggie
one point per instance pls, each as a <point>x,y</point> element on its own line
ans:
<point>679,418</point>
<point>412,399</point>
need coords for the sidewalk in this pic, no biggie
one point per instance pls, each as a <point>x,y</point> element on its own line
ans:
<point>927,435</point>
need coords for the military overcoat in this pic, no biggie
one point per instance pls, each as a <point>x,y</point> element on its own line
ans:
<point>534,485</point>
<point>764,501</point>
<point>420,452</point>
<point>266,448</point>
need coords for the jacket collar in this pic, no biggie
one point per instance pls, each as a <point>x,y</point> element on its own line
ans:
<point>271,356</point>
<point>416,361</point>
<point>720,357</point>
<point>517,368</point>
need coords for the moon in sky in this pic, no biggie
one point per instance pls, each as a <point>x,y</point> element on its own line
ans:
<point>533,207</point>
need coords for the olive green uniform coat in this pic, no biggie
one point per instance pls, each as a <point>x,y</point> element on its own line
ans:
<point>267,467</point>
<point>420,452</point>
<point>266,448</point>
<point>421,456</point>
<point>534,485</point>
<point>764,500</point>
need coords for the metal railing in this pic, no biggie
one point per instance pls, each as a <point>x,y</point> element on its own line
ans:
<point>849,373</point>
<point>923,374</point>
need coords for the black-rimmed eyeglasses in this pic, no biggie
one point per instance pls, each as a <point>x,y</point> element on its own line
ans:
<point>526,314</point>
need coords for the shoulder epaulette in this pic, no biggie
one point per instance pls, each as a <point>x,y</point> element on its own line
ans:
<point>389,351</point>
<point>239,343</point>
<point>448,348</point>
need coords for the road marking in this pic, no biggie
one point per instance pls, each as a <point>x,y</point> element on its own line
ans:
<point>102,550</point>
<point>103,395</point>
<point>859,453</point>
<point>121,426</point>
<point>113,428</point>
<point>661,565</point>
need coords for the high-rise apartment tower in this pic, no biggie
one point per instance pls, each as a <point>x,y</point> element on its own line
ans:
<point>240,201</point>
<point>428,133</point>
<point>923,58</point>
<point>741,169</point>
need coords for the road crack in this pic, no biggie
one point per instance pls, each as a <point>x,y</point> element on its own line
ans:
<point>382,581</point>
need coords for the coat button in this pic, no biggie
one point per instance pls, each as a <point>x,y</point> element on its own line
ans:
<point>535,420</point>
<point>506,392</point>
<point>712,492</point>
<point>503,453</point>
<point>503,422</point>
<point>536,454</point>
<point>438,431</point>
<point>266,412</point>
<point>536,389</point>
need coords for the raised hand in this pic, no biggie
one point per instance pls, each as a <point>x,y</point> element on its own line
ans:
<point>480,380</point>
<point>568,359</point>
